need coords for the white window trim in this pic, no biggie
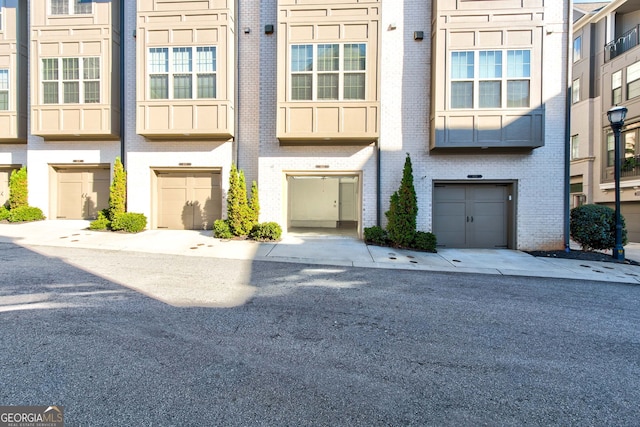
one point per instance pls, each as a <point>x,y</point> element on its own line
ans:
<point>575,91</point>
<point>71,8</point>
<point>171,72</point>
<point>476,79</point>
<point>60,80</point>
<point>314,73</point>
<point>8,89</point>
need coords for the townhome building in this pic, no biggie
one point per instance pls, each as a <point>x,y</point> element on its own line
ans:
<point>606,73</point>
<point>319,102</point>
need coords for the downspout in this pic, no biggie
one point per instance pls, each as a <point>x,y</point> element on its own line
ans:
<point>567,127</point>
<point>236,86</point>
<point>122,84</point>
<point>378,184</point>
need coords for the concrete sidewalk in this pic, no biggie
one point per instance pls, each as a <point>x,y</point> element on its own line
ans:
<point>313,249</point>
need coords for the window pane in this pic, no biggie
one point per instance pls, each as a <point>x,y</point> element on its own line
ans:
<point>82,6</point>
<point>159,87</point>
<point>50,92</point>
<point>354,86</point>
<point>327,86</point>
<point>575,91</point>
<point>328,57</point>
<point>70,70</point>
<point>629,144</point>
<point>617,96</point>
<point>491,64</point>
<point>610,150</point>
<point>616,79</point>
<point>517,93</point>
<point>462,64</point>
<point>633,89</point>
<point>633,72</point>
<point>354,57</point>
<point>50,69</point>
<point>577,48</point>
<point>206,85</point>
<point>71,92</point>
<point>91,92</point>
<point>461,94</point>
<point>182,86</point>
<point>302,58</point>
<point>206,59</point>
<point>4,79</point>
<point>91,68</point>
<point>181,60</point>
<point>575,148</point>
<point>301,87</point>
<point>4,100</point>
<point>489,96</point>
<point>158,60</point>
<point>518,63</point>
<point>59,7</point>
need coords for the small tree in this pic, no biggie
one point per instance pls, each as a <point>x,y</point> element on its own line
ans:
<point>403,210</point>
<point>18,192</point>
<point>118,190</point>
<point>594,227</point>
<point>238,212</point>
<point>254,204</point>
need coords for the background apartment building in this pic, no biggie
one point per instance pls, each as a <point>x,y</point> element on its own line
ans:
<point>606,72</point>
<point>318,101</point>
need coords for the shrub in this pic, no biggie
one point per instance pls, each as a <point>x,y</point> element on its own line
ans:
<point>254,204</point>
<point>117,191</point>
<point>102,222</point>
<point>403,209</point>
<point>266,231</point>
<point>221,229</point>
<point>424,241</point>
<point>238,211</point>
<point>130,222</point>
<point>594,227</point>
<point>25,213</point>
<point>4,213</point>
<point>376,235</point>
<point>18,192</point>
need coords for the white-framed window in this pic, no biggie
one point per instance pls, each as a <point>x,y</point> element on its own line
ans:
<point>71,7</point>
<point>575,91</point>
<point>4,89</point>
<point>71,80</point>
<point>616,87</point>
<point>490,79</point>
<point>176,73</point>
<point>577,49</point>
<point>1,14</point>
<point>633,80</point>
<point>575,147</point>
<point>334,71</point>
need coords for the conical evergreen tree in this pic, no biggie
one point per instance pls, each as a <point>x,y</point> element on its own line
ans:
<point>118,190</point>
<point>254,204</point>
<point>403,209</point>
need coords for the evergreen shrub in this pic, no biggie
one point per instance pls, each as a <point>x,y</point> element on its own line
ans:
<point>424,241</point>
<point>266,231</point>
<point>130,222</point>
<point>102,222</point>
<point>403,210</point>
<point>376,235</point>
<point>594,227</point>
<point>4,213</point>
<point>221,229</point>
<point>18,192</point>
<point>25,213</point>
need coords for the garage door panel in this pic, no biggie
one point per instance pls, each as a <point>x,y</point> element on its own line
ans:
<point>189,200</point>
<point>69,200</point>
<point>4,185</point>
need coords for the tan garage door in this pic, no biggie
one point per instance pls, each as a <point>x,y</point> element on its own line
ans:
<point>189,200</point>
<point>82,192</point>
<point>631,213</point>
<point>471,215</point>
<point>5,173</point>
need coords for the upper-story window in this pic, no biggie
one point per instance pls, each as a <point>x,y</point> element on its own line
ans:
<point>577,49</point>
<point>575,91</point>
<point>616,87</point>
<point>321,72</point>
<point>633,80</point>
<point>4,89</point>
<point>175,74</point>
<point>1,14</point>
<point>484,79</point>
<point>71,80</point>
<point>575,147</point>
<point>70,7</point>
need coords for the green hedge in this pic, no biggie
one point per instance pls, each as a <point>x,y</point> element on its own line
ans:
<point>221,229</point>
<point>4,213</point>
<point>266,231</point>
<point>376,235</point>
<point>594,227</point>
<point>102,222</point>
<point>130,222</point>
<point>424,241</point>
<point>25,213</point>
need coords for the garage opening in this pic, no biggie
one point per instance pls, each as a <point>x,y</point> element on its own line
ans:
<point>81,191</point>
<point>474,215</point>
<point>188,200</point>
<point>325,205</point>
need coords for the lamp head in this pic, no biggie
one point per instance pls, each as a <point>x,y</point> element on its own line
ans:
<point>616,115</point>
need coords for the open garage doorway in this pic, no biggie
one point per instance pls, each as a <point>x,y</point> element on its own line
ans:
<point>324,204</point>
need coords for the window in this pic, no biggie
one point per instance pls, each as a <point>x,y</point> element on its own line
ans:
<point>70,7</point>
<point>577,49</point>
<point>633,80</point>
<point>336,71</point>
<point>575,147</point>
<point>575,91</point>
<point>483,79</point>
<point>77,79</point>
<point>629,146</point>
<point>4,90</point>
<point>616,87</point>
<point>174,73</point>
<point>1,14</point>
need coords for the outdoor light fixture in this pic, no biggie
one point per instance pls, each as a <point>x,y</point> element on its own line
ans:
<point>616,116</point>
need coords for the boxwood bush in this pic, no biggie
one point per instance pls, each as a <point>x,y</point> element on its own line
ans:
<point>25,213</point>
<point>221,229</point>
<point>102,222</point>
<point>130,222</point>
<point>594,227</point>
<point>266,231</point>
<point>4,213</point>
<point>424,241</point>
<point>376,235</point>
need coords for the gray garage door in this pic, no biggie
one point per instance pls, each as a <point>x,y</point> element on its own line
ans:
<point>189,200</point>
<point>471,215</point>
<point>631,213</point>
<point>82,192</point>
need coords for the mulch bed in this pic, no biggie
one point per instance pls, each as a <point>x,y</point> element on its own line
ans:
<point>581,255</point>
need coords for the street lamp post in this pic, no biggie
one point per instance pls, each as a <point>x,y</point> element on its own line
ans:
<point>616,116</point>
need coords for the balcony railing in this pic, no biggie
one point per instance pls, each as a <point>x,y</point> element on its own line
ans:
<point>622,44</point>
<point>629,168</point>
